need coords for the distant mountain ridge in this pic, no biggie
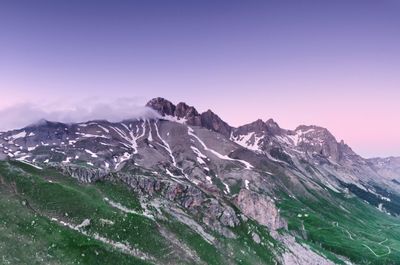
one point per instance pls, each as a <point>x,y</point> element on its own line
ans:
<point>190,116</point>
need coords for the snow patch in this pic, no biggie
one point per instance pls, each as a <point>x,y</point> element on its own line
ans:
<point>224,157</point>
<point>67,160</point>
<point>249,141</point>
<point>88,135</point>
<point>94,155</point>
<point>246,183</point>
<point>32,148</point>
<point>208,178</point>
<point>18,135</point>
<point>200,155</point>
<point>150,132</point>
<point>103,128</point>
<point>26,162</point>
<point>129,137</point>
<point>126,156</point>
<point>175,119</point>
<point>227,189</point>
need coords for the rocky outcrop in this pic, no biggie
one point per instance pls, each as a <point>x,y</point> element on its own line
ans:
<point>259,127</point>
<point>256,238</point>
<point>387,167</point>
<point>162,106</point>
<point>181,111</point>
<point>190,115</point>
<point>260,208</point>
<point>82,174</point>
<point>297,253</point>
<point>256,126</point>
<point>212,121</point>
<point>216,215</point>
<point>318,140</point>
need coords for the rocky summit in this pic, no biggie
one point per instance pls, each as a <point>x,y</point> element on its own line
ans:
<point>188,188</point>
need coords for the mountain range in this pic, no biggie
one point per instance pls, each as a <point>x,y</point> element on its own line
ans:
<point>187,188</point>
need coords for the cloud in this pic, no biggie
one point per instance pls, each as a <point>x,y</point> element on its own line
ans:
<point>23,114</point>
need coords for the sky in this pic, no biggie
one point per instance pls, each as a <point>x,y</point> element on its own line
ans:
<point>330,63</point>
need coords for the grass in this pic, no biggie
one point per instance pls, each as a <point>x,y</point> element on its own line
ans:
<point>344,226</point>
<point>66,200</point>
<point>206,251</point>
<point>29,238</point>
<point>31,197</point>
<point>252,252</point>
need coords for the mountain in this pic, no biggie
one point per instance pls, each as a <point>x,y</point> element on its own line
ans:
<point>188,188</point>
<point>189,115</point>
<point>388,168</point>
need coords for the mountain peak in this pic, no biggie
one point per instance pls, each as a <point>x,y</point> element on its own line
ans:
<point>183,110</point>
<point>272,122</point>
<point>44,122</point>
<point>162,106</point>
<point>306,129</point>
<point>257,126</point>
<point>190,115</point>
<point>166,108</point>
<point>213,122</point>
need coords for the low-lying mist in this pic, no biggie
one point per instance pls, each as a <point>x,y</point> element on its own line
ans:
<point>23,114</point>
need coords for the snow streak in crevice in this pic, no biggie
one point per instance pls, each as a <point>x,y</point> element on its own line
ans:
<point>224,157</point>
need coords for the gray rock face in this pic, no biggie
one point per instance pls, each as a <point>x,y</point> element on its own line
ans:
<point>257,135</point>
<point>211,121</point>
<point>387,167</point>
<point>268,128</point>
<point>273,127</point>
<point>298,254</point>
<point>3,156</point>
<point>162,106</point>
<point>182,110</point>
<point>228,217</point>
<point>260,208</point>
<point>256,238</point>
<point>207,119</point>
<point>189,113</point>
<point>216,215</point>
<point>319,140</point>
<point>82,174</point>
<point>266,136</point>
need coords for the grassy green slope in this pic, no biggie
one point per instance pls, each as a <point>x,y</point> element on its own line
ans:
<point>346,226</point>
<point>34,202</point>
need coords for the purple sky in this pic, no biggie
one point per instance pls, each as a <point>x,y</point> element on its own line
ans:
<point>330,63</point>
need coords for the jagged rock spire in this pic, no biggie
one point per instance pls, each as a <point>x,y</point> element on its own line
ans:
<point>207,119</point>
